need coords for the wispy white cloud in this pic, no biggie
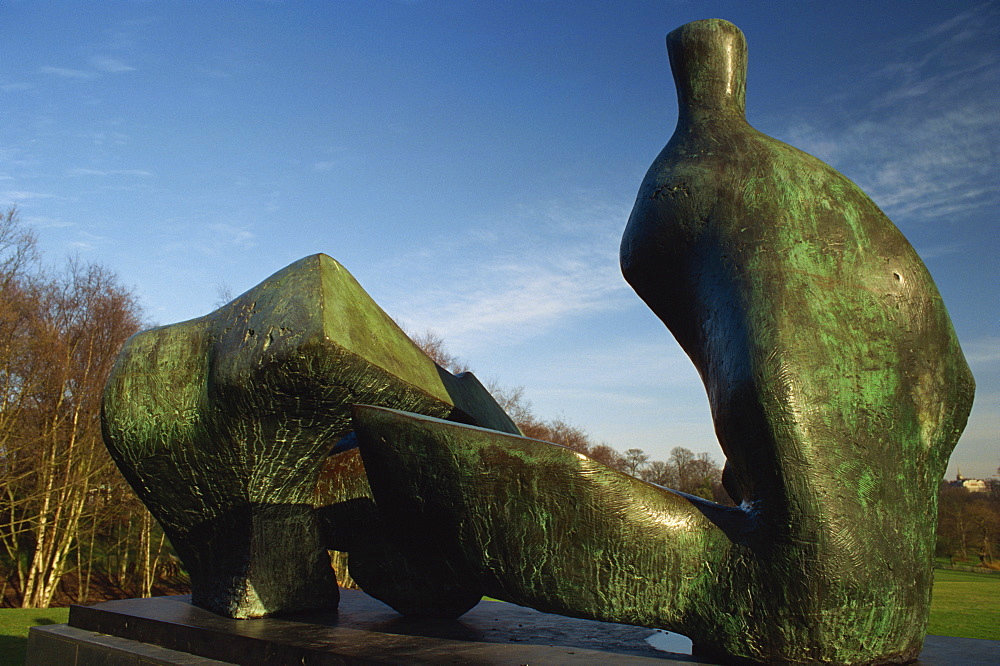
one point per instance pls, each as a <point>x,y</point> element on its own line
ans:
<point>104,138</point>
<point>527,293</point>
<point>928,144</point>
<point>24,195</point>
<point>97,65</point>
<point>109,172</point>
<point>231,235</point>
<point>86,241</point>
<point>198,238</point>
<point>42,222</point>
<point>67,73</point>
<point>110,65</point>
<point>625,367</point>
<point>553,262</point>
<point>935,251</point>
<point>983,350</point>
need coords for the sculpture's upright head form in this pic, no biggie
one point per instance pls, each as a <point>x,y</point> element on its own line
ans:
<point>709,62</point>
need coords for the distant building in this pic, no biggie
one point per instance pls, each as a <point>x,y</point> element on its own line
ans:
<point>972,485</point>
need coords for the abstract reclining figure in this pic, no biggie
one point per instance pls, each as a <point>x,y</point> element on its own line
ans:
<point>837,386</point>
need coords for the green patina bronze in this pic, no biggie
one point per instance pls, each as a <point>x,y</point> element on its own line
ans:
<point>539,524</point>
<point>837,387</point>
<point>222,424</point>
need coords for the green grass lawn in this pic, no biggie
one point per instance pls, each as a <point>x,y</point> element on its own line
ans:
<point>14,624</point>
<point>966,605</point>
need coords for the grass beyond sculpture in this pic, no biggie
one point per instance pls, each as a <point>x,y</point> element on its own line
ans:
<point>964,604</point>
<point>837,387</point>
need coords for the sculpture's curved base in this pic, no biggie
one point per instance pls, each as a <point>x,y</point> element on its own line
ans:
<point>169,630</point>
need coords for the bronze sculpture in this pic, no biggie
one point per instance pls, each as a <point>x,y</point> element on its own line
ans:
<point>221,425</point>
<point>837,386</point>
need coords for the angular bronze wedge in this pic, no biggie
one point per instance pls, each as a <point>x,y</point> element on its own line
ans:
<point>221,425</point>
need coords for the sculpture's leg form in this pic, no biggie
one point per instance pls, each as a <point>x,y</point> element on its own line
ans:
<point>539,524</point>
<point>223,423</point>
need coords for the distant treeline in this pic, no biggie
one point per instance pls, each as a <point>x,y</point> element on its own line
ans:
<point>969,525</point>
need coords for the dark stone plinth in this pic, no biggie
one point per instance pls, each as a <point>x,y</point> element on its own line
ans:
<point>366,630</point>
<point>68,646</point>
<point>169,630</point>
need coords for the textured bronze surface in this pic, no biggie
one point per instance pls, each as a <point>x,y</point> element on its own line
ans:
<point>539,524</point>
<point>837,387</point>
<point>221,425</point>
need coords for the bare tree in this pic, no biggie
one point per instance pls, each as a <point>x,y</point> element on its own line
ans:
<point>603,453</point>
<point>660,473</point>
<point>955,525</point>
<point>223,294</point>
<point>968,521</point>
<point>84,317</point>
<point>558,430</point>
<point>59,335</point>
<point>634,461</point>
<point>18,265</point>
<point>685,471</point>
<point>18,247</point>
<point>986,524</point>
<point>432,344</point>
<point>513,401</point>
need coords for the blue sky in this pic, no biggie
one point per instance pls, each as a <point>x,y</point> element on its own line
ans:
<point>473,164</point>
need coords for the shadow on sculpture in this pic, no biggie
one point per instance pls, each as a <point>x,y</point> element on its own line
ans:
<point>837,387</point>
